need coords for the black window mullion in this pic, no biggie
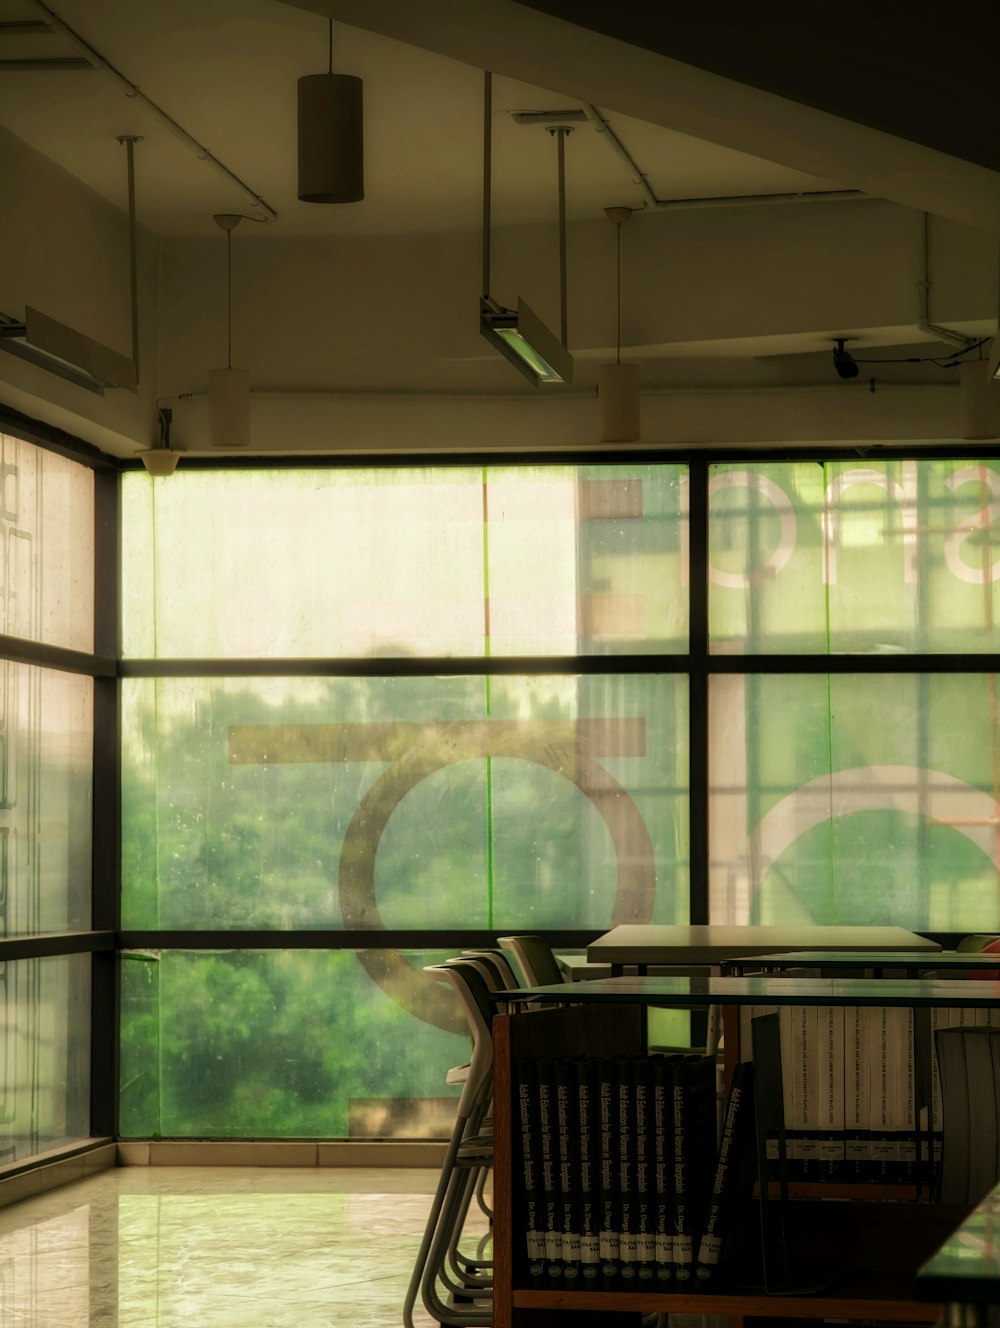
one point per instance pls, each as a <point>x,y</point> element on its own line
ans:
<point>106,824</point>
<point>698,685</point>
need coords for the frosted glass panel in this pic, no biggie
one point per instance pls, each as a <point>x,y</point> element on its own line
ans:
<point>46,758</point>
<point>404,802</point>
<point>47,528</point>
<point>427,562</point>
<point>44,1055</point>
<point>856,798</point>
<point>842,557</point>
<point>286,1044</point>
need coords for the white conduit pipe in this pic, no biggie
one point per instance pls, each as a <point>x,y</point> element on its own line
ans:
<point>928,328</point>
<point>654,204</point>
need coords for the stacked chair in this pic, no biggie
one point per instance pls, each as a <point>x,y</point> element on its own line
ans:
<point>457,1289</point>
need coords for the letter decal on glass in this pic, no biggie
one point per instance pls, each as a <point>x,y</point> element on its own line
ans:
<point>905,494</point>
<point>932,794</point>
<point>415,751</point>
<point>749,479</point>
<point>987,572</point>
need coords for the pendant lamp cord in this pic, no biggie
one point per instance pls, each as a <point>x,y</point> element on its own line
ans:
<point>229,299</point>
<point>560,134</point>
<point>330,70</point>
<point>487,175</point>
<point>618,234</point>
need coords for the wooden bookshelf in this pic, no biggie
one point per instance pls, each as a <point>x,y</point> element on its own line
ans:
<point>878,1250</point>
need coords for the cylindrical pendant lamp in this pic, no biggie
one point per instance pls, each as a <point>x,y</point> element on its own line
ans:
<point>229,407</point>
<point>980,398</point>
<point>331,139</point>
<point>618,402</point>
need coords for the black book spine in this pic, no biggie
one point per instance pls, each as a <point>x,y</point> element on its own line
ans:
<point>548,1154</point>
<point>628,1231</point>
<point>534,1222</point>
<point>569,1166</point>
<point>645,1221</point>
<point>735,1171</point>
<point>663,1169</point>
<point>608,1124</point>
<point>588,1129</point>
<point>683,1245</point>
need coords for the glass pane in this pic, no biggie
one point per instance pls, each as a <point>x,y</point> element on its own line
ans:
<point>46,757</point>
<point>47,526</point>
<point>44,1055</point>
<point>287,1044</point>
<point>867,557</point>
<point>856,799</point>
<point>430,562</point>
<point>515,803</point>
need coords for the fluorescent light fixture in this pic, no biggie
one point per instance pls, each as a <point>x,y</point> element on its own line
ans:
<point>523,339</point>
<point>53,346</point>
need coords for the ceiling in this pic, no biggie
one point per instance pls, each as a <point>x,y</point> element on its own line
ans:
<point>226,71</point>
<point>710,108</point>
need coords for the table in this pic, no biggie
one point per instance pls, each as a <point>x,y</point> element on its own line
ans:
<point>946,961</point>
<point>699,993</point>
<point>641,945</point>
<point>965,1271</point>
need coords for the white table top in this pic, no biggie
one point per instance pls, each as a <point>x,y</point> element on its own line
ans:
<point>650,943</point>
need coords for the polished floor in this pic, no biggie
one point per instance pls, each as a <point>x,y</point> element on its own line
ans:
<point>197,1247</point>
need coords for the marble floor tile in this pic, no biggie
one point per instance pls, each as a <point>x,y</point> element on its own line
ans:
<point>187,1247</point>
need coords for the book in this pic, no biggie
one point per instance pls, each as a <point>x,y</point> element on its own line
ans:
<point>628,1234</point>
<point>607,1100</point>
<point>527,1114</point>
<point>732,1188</point>
<point>831,1091</point>
<point>858,1104</point>
<point>663,1168</point>
<point>694,1121</point>
<point>645,1221</point>
<point>588,1179</point>
<point>970,1104</point>
<point>548,1155</point>
<point>883,1146</point>
<point>569,1163</point>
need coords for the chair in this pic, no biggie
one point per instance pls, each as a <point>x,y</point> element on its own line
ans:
<point>535,959</point>
<point>454,1289</point>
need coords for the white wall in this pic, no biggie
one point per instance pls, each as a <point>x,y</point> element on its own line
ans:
<point>65,253</point>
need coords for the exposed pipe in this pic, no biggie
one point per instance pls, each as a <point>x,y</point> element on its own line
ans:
<point>130,141</point>
<point>654,204</point>
<point>923,298</point>
<point>132,90</point>
<point>487,176</point>
<point>560,133</point>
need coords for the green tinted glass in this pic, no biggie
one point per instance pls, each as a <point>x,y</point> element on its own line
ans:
<point>871,557</point>
<point>520,803</point>
<point>524,560</point>
<point>855,799</point>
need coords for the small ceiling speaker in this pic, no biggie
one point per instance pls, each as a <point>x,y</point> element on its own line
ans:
<point>229,407</point>
<point>160,461</point>
<point>618,402</point>
<point>331,139</point>
<point>980,399</point>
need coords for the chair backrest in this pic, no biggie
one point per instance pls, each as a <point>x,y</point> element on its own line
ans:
<point>503,971</point>
<point>478,1008</point>
<point>534,955</point>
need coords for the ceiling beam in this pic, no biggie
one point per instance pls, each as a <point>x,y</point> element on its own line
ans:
<point>517,41</point>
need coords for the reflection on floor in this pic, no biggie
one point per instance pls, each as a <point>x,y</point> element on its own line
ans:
<point>214,1247</point>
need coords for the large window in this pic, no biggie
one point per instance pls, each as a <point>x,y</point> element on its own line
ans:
<point>47,689</point>
<point>369,713</point>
